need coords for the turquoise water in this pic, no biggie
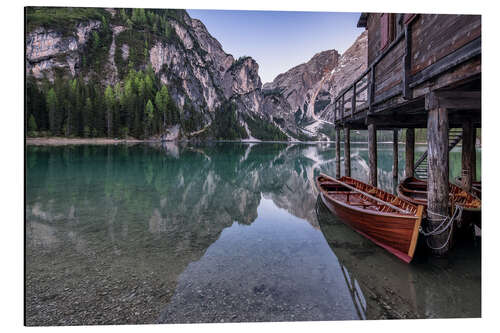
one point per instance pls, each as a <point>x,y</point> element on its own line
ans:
<point>215,233</point>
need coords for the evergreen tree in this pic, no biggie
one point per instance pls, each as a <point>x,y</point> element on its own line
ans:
<point>52,110</point>
<point>148,117</point>
<point>32,124</point>
<point>162,101</point>
<point>123,15</point>
<point>86,116</point>
<point>96,42</point>
<point>110,101</point>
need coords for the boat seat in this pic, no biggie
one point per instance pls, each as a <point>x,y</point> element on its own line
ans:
<point>363,204</point>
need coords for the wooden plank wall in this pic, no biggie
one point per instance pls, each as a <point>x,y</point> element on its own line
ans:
<point>389,71</point>
<point>435,36</point>
<point>373,26</point>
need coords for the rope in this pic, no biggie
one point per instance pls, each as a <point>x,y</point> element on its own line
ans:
<point>446,223</point>
<point>444,244</point>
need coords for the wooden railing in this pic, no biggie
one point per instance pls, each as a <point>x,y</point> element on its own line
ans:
<point>359,95</point>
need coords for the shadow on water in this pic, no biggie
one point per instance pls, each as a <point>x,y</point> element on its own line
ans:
<point>213,232</point>
<point>429,287</point>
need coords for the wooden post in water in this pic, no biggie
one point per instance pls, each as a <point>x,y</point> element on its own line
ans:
<point>410,152</point>
<point>395,154</point>
<point>372,153</point>
<point>337,152</point>
<point>347,151</point>
<point>467,152</point>
<point>438,183</point>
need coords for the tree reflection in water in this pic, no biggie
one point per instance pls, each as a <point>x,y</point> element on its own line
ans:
<point>131,229</point>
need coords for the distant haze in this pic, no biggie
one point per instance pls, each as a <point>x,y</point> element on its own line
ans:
<point>279,40</point>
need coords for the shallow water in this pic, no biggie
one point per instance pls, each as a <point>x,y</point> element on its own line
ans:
<point>218,232</point>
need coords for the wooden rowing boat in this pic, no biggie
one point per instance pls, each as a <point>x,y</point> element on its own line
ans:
<point>414,191</point>
<point>381,217</point>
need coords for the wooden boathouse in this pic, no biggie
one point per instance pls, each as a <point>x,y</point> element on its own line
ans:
<point>424,71</point>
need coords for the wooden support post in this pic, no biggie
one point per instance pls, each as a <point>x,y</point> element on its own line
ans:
<point>342,108</point>
<point>337,152</point>
<point>371,90</point>
<point>438,173</point>
<point>474,138</point>
<point>372,153</point>
<point>335,110</point>
<point>353,100</point>
<point>467,152</point>
<point>395,154</point>
<point>410,152</point>
<point>347,151</point>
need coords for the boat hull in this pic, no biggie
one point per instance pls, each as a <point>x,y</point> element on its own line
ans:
<point>414,191</point>
<point>392,233</point>
<point>397,233</point>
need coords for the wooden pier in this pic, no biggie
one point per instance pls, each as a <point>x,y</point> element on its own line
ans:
<point>424,71</point>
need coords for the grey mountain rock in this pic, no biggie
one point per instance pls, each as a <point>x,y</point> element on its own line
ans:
<point>201,76</point>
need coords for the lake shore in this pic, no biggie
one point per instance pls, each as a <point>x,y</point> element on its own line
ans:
<point>55,141</point>
<point>60,141</point>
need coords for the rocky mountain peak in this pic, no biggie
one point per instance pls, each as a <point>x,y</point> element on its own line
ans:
<point>352,64</point>
<point>104,45</point>
<point>290,97</point>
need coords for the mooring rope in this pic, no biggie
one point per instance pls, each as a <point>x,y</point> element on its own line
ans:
<point>446,223</point>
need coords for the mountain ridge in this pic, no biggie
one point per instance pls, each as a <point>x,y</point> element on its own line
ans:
<point>126,50</point>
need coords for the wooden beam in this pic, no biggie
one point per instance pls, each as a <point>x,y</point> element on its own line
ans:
<point>372,153</point>
<point>467,152</point>
<point>337,152</point>
<point>371,90</point>
<point>388,94</point>
<point>388,49</point>
<point>410,152</point>
<point>438,172</point>
<point>342,108</point>
<point>335,111</point>
<point>353,100</point>
<point>397,120</point>
<point>374,63</point>
<point>395,153</point>
<point>453,59</point>
<point>474,138</point>
<point>457,100</point>
<point>402,119</point>
<point>407,63</point>
<point>347,151</point>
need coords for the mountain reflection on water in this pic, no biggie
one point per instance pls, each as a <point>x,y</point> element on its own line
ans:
<point>205,233</point>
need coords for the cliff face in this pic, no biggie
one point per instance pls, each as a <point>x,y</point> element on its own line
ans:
<point>47,49</point>
<point>289,99</point>
<point>200,76</point>
<point>298,98</point>
<point>352,64</point>
<point>208,76</point>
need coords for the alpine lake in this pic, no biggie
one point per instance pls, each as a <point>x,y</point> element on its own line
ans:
<point>220,232</point>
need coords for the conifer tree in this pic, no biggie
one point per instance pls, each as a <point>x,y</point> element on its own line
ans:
<point>110,101</point>
<point>148,117</point>
<point>32,124</point>
<point>52,109</point>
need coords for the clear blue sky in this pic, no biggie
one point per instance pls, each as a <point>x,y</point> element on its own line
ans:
<point>279,40</point>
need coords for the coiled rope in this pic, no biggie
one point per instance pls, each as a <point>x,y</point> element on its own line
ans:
<point>446,223</point>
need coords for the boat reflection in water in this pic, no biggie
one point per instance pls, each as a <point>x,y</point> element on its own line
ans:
<point>427,288</point>
<point>357,296</point>
<point>204,233</point>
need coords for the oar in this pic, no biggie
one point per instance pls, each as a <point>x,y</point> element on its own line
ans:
<point>369,196</point>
